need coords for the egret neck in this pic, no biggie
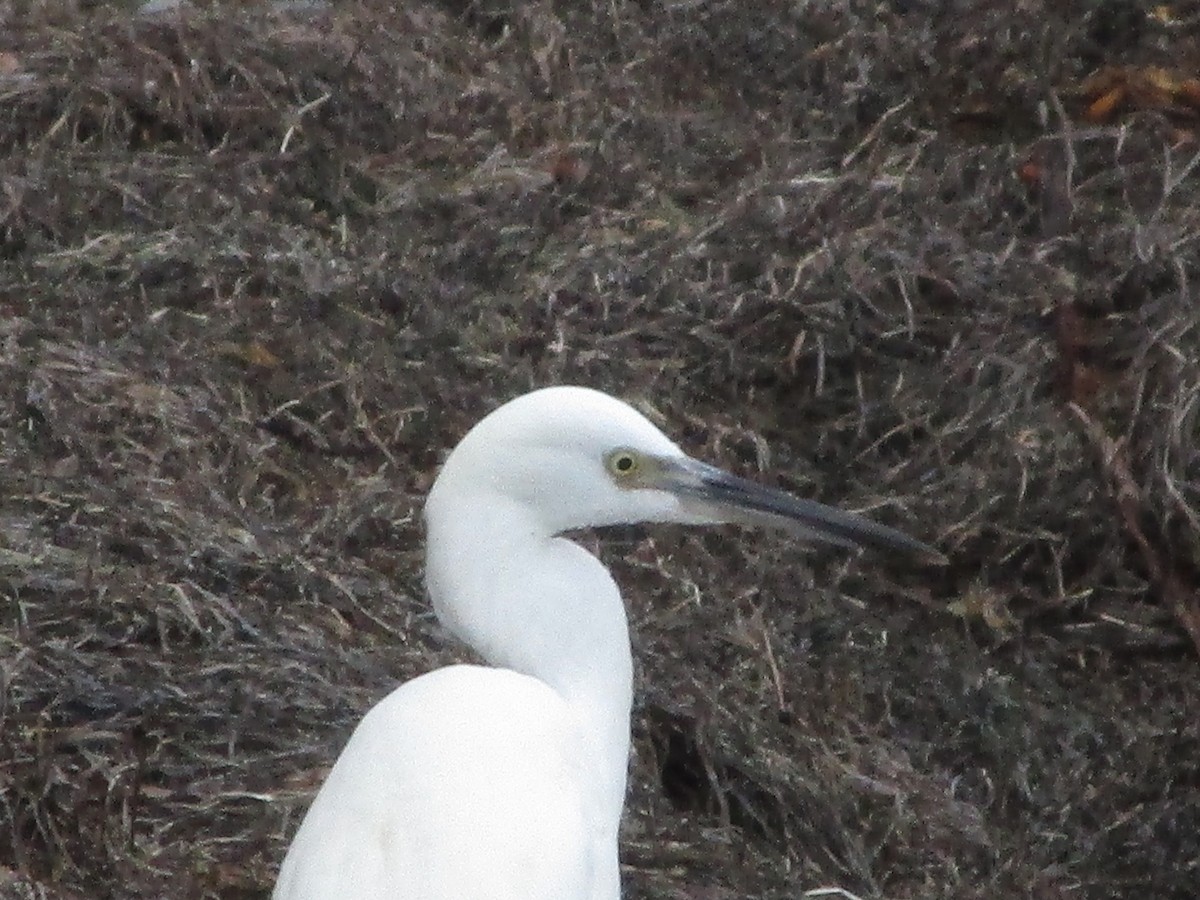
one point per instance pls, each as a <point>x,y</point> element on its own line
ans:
<point>525,599</point>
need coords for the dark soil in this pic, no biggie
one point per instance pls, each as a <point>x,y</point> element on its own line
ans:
<point>933,259</point>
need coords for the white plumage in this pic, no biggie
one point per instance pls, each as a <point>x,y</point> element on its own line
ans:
<point>507,782</point>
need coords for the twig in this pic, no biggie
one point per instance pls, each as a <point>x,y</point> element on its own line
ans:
<point>1182,601</point>
<point>873,132</point>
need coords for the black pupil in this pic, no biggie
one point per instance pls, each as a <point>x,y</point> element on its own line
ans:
<point>624,463</point>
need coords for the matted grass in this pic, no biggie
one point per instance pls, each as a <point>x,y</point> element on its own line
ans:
<point>262,267</point>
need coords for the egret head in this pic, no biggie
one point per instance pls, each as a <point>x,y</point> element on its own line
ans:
<point>572,457</point>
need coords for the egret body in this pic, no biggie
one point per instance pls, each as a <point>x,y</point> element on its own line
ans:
<point>507,781</point>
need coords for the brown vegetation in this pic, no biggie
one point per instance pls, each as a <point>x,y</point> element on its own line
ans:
<point>260,267</point>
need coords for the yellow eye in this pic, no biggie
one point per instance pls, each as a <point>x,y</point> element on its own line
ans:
<point>623,463</point>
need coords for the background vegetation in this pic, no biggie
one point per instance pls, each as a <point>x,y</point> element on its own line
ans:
<point>260,266</point>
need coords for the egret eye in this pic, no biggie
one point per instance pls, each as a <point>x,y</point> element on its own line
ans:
<point>623,464</point>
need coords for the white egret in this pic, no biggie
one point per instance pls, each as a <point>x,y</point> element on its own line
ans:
<point>507,782</point>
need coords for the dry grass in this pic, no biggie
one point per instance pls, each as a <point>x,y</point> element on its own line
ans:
<point>261,268</point>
